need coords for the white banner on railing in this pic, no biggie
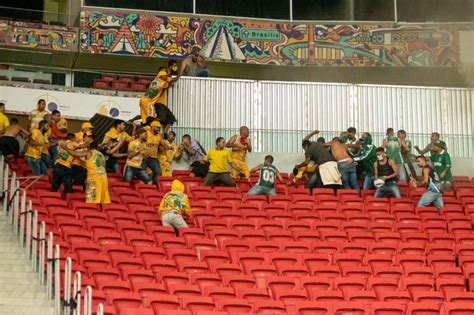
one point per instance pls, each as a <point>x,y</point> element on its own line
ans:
<point>71,104</point>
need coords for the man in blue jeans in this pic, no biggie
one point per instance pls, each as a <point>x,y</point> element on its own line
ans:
<point>37,143</point>
<point>136,151</point>
<point>345,164</point>
<point>386,174</point>
<point>432,195</point>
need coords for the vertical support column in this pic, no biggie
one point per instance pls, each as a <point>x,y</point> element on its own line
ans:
<point>49,268</point>
<point>194,6</point>
<point>88,301</point>
<point>28,230</point>
<point>11,198</point>
<point>16,208</point>
<point>22,217</point>
<point>2,168</point>
<point>42,254</point>
<point>395,11</point>
<point>351,10</point>
<point>76,294</point>
<point>5,187</point>
<point>34,244</point>
<point>291,10</point>
<point>67,285</point>
<point>57,280</point>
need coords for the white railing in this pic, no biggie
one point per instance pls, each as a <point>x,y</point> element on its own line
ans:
<point>40,249</point>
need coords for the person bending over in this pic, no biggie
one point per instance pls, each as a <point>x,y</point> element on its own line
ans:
<point>345,164</point>
<point>386,174</point>
<point>174,206</point>
<point>266,181</point>
<point>219,158</point>
<point>432,195</point>
<point>327,174</point>
<point>9,145</point>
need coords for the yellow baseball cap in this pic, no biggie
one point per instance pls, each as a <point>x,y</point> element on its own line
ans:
<point>155,124</point>
<point>87,125</point>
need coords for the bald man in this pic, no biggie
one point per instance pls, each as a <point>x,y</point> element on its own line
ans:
<point>240,145</point>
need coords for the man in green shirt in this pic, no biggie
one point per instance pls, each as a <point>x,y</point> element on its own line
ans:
<point>266,181</point>
<point>392,146</point>
<point>406,149</point>
<point>442,165</point>
<point>366,157</point>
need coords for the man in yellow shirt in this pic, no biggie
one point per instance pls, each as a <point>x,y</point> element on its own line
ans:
<point>174,206</point>
<point>97,186</point>
<point>136,152</point>
<point>62,166</point>
<point>36,144</point>
<point>153,142</point>
<point>167,154</point>
<point>4,121</point>
<point>117,132</point>
<point>240,145</point>
<point>78,168</point>
<point>219,158</point>
<point>165,79</point>
<point>37,115</point>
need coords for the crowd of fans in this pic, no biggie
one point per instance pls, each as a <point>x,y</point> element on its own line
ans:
<point>151,149</point>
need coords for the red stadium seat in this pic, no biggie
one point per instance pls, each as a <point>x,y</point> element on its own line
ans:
<point>196,304</point>
<point>434,297</point>
<point>253,294</point>
<point>164,302</point>
<point>234,306</point>
<point>217,293</point>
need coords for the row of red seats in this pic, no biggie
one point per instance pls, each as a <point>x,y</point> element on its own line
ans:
<point>311,308</point>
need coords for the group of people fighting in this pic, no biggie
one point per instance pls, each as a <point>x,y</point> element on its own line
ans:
<point>77,159</point>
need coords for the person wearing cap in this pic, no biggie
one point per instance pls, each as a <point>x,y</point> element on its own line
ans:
<point>386,175</point>
<point>175,205</point>
<point>194,65</point>
<point>136,153</point>
<point>442,164</point>
<point>366,157</point>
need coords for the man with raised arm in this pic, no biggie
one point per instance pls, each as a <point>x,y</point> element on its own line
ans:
<point>240,145</point>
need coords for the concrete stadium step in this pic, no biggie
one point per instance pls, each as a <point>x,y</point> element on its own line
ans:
<point>20,291</point>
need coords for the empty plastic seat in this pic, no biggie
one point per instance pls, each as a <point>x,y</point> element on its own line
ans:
<point>425,308</point>
<point>457,308</point>
<point>205,280</point>
<point>146,289</point>
<point>219,292</point>
<point>380,285</point>
<point>253,294</point>
<point>450,285</point>
<point>309,308</point>
<point>270,307</point>
<point>280,283</point>
<point>419,272</point>
<point>184,290</point>
<point>326,295</point>
<point>278,235</point>
<point>238,282</point>
<point>195,304</point>
<point>265,246</point>
<point>382,308</point>
<point>125,300</point>
<point>164,302</point>
<point>434,297</point>
<point>349,284</point>
<point>401,297</point>
<point>361,296</point>
<point>234,306</point>
<point>416,284</point>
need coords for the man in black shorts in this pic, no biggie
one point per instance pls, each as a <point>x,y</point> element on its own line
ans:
<point>9,145</point>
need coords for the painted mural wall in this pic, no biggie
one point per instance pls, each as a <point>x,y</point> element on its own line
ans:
<point>38,35</point>
<point>263,42</point>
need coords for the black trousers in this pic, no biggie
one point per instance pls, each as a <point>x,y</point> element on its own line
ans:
<point>61,175</point>
<point>79,175</point>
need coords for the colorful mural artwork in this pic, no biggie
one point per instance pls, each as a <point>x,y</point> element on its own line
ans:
<point>38,35</point>
<point>263,42</point>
